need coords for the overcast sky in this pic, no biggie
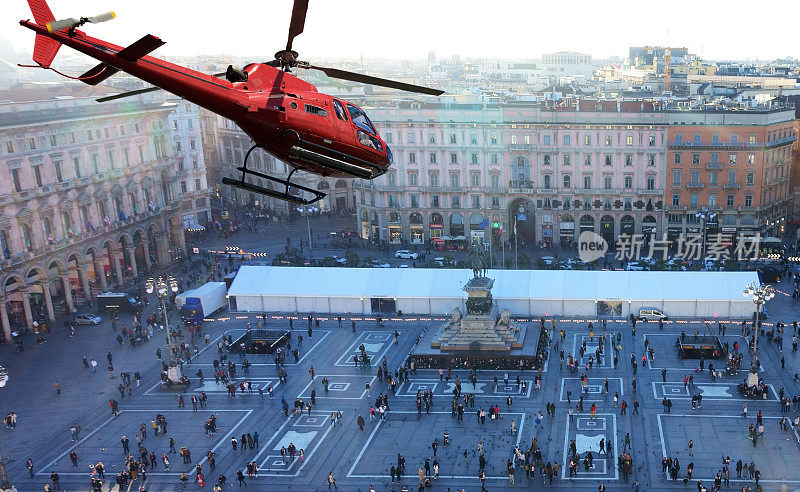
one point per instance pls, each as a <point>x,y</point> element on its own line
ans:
<point>408,29</point>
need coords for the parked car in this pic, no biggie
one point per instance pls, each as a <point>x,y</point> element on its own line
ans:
<point>634,266</point>
<point>651,314</point>
<point>88,319</point>
<point>405,254</point>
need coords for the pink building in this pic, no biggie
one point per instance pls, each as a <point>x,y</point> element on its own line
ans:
<point>555,171</point>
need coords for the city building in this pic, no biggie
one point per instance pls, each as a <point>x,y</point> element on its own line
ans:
<point>88,198</point>
<point>567,64</point>
<point>732,162</point>
<point>548,171</point>
<point>184,127</point>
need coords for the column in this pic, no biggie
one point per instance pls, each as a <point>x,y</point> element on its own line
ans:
<point>132,257</point>
<point>68,293</point>
<point>118,266</point>
<point>181,237</point>
<point>26,305</point>
<point>100,275</point>
<point>83,272</point>
<point>147,264</point>
<point>163,251</point>
<point>4,320</point>
<point>48,301</point>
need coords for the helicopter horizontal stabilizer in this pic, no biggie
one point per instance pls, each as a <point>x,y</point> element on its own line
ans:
<point>141,48</point>
<point>98,74</point>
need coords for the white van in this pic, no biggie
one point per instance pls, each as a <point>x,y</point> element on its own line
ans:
<point>651,314</point>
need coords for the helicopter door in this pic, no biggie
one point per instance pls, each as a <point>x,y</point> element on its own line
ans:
<point>342,123</point>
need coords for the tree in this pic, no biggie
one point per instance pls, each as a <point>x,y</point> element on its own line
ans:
<point>524,261</point>
<point>540,264</point>
<point>368,261</point>
<point>351,259</point>
<point>329,261</point>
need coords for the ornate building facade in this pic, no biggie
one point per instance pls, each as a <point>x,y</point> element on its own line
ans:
<point>88,198</point>
<point>733,167</point>
<point>548,171</point>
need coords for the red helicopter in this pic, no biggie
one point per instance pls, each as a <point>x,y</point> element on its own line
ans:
<point>284,115</point>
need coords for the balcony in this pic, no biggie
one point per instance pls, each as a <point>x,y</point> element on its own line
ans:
<point>713,166</point>
<point>520,184</point>
<point>599,191</point>
<point>546,191</point>
<point>651,192</point>
<point>695,186</point>
<point>747,209</point>
<point>83,181</point>
<point>728,145</point>
<point>518,147</point>
<point>731,186</point>
<point>64,185</point>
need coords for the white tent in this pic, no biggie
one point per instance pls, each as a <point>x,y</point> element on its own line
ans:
<point>524,292</point>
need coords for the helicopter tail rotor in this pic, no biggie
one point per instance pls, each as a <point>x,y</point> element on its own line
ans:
<point>70,22</point>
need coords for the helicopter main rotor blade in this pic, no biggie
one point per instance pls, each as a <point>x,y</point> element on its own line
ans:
<point>368,79</point>
<point>298,21</point>
<point>128,94</point>
<point>139,91</point>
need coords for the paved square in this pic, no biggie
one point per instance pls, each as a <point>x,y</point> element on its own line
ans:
<point>482,387</point>
<point>587,432</point>
<point>715,436</point>
<point>709,390</point>
<point>341,387</point>
<point>376,344</point>
<point>593,390</point>
<point>306,432</point>
<point>103,443</point>
<point>400,428</point>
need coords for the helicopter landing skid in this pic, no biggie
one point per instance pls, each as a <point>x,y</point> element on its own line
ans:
<point>285,195</point>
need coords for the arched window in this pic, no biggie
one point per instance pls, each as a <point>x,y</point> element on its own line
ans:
<point>547,181</point>
<point>567,181</point>
<point>4,244</point>
<point>27,237</point>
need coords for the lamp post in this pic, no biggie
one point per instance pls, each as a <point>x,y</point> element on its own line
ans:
<point>4,483</point>
<point>760,294</point>
<point>704,215</point>
<point>162,286</point>
<point>308,209</point>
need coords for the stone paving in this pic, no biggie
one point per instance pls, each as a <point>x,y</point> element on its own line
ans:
<point>360,458</point>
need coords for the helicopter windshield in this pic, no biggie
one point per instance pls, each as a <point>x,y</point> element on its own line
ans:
<point>360,119</point>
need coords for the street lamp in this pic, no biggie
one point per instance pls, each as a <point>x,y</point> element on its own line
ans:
<point>4,483</point>
<point>760,294</point>
<point>161,286</point>
<point>307,209</point>
<point>704,215</point>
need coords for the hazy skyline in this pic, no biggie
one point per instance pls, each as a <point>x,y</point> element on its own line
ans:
<point>409,29</point>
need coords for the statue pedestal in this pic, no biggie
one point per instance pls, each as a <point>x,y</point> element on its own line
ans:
<point>482,329</point>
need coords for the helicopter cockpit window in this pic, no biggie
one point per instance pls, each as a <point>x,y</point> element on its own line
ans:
<point>316,110</point>
<point>360,119</point>
<point>340,113</point>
